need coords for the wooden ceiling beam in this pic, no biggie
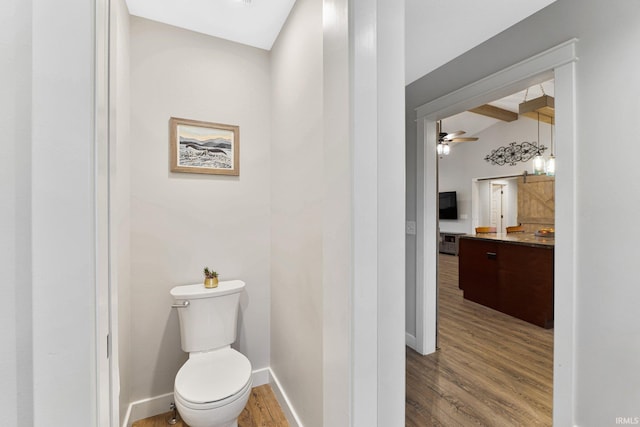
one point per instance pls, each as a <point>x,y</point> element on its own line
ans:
<point>495,113</point>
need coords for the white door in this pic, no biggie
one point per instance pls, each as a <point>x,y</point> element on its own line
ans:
<point>497,194</point>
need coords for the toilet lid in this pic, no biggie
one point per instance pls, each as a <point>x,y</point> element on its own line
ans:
<point>213,376</point>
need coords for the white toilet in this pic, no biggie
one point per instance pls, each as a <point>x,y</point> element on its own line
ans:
<point>212,388</point>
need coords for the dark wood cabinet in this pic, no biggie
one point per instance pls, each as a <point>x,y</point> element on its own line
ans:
<point>513,278</point>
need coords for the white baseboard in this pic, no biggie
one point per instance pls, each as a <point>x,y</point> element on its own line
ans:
<point>284,402</point>
<point>159,404</point>
<point>410,340</point>
<point>261,377</point>
<point>147,408</point>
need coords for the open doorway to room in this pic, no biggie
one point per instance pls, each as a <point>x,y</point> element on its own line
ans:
<point>488,324</point>
<point>483,391</point>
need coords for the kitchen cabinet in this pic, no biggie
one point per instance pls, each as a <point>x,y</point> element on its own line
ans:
<point>512,274</point>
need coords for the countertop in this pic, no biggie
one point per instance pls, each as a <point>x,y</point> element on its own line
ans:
<point>527,239</point>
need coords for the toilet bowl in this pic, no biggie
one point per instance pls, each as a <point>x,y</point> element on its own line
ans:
<point>212,388</point>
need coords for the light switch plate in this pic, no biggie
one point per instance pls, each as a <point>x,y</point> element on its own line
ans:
<point>411,227</point>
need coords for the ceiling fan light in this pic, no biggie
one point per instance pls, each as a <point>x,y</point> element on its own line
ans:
<point>443,148</point>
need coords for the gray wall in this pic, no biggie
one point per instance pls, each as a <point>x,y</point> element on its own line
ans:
<point>15,226</point>
<point>182,222</point>
<point>607,343</point>
<point>297,173</point>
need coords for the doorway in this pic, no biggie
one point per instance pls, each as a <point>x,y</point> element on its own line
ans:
<point>497,204</point>
<point>559,62</point>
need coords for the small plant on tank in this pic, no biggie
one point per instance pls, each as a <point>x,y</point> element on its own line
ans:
<point>210,274</point>
<point>210,278</point>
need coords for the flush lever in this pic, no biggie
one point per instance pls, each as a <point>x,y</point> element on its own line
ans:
<point>184,304</point>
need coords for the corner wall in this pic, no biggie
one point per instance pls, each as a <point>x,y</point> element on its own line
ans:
<point>182,222</point>
<point>337,214</point>
<point>297,173</point>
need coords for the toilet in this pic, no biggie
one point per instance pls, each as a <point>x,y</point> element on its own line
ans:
<point>212,388</point>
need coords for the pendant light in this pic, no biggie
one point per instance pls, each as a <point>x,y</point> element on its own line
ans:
<point>551,163</point>
<point>538,160</point>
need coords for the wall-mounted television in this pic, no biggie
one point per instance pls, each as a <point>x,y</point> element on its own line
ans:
<point>448,204</point>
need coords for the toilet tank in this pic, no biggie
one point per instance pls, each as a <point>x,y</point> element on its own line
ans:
<point>209,320</point>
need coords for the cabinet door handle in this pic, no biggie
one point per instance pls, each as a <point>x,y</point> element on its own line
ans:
<point>491,255</point>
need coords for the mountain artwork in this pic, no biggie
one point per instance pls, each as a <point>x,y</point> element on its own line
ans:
<point>202,147</point>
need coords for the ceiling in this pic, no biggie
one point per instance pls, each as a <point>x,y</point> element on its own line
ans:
<point>436,30</point>
<point>252,22</point>
<point>473,123</point>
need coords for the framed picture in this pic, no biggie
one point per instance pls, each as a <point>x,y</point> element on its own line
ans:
<point>203,147</point>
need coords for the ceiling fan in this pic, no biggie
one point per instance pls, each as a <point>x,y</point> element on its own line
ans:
<point>454,137</point>
<point>445,138</point>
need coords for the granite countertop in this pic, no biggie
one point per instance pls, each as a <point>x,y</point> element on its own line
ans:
<point>528,239</point>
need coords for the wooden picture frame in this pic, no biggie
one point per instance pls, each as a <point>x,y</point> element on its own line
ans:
<point>204,147</point>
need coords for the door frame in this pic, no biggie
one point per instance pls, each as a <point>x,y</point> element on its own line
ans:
<point>107,375</point>
<point>558,62</point>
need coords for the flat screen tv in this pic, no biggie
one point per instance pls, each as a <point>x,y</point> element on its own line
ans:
<point>448,205</point>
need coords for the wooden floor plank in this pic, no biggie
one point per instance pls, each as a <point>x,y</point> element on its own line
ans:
<point>491,369</point>
<point>262,410</point>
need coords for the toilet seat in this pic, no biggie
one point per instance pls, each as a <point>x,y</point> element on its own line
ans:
<point>212,379</point>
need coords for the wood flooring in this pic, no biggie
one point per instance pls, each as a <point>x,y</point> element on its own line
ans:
<point>262,410</point>
<point>491,369</point>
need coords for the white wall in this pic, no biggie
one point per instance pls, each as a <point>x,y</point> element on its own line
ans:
<point>466,162</point>
<point>63,212</point>
<point>123,347</point>
<point>297,206</point>
<point>605,382</point>
<point>183,222</point>
<point>47,226</point>
<point>16,373</point>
